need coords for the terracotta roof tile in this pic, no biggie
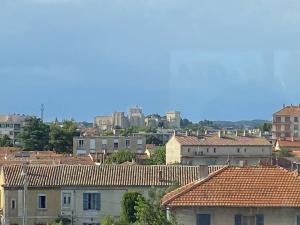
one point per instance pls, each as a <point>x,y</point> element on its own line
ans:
<point>215,140</point>
<point>240,187</point>
<point>288,110</point>
<point>289,143</point>
<point>104,175</point>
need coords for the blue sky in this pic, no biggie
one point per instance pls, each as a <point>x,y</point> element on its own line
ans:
<point>217,60</point>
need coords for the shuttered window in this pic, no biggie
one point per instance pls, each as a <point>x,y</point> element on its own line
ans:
<point>259,219</point>
<point>238,220</point>
<point>298,220</point>
<point>91,201</point>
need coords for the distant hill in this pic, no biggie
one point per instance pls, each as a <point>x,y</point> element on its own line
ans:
<point>250,124</point>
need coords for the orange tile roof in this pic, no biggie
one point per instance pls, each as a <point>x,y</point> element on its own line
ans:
<point>103,175</point>
<point>214,140</point>
<point>240,187</point>
<point>288,110</point>
<point>289,143</point>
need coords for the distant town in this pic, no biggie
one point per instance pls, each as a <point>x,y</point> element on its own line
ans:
<point>126,168</point>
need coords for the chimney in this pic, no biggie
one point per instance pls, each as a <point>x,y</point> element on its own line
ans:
<point>236,132</point>
<point>293,138</point>
<point>203,171</point>
<point>186,133</point>
<point>260,133</point>
<point>219,134</point>
<point>298,168</point>
<point>205,132</point>
<point>197,133</point>
<point>243,163</point>
<point>174,132</point>
<point>244,134</point>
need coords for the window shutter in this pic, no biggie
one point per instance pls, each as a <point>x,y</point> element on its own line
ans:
<point>298,220</point>
<point>238,220</point>
<point>259,219</point>
<point>98,204</point>
<point>85,201</point>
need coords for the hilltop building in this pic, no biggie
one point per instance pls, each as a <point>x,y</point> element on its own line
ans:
<point>136,117</point>
<point>173,119</point>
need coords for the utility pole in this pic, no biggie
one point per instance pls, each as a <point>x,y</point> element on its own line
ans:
<point>25,184</point>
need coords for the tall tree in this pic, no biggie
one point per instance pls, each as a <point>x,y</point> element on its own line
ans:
<point>5,141</point>
<point>128,203</point>
<point>35,134</point>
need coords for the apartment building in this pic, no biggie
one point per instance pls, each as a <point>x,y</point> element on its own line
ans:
<point>81,194</point>
<point>217,149</point>
<point>108,144</point>
<point>173,119</point>
<point>262,195</point>
<point>11,125</point>
<point>286,122</point>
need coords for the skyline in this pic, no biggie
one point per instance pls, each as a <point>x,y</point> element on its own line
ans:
<point>86,58</point>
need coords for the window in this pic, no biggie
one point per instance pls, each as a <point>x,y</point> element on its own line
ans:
<point>296,119</point>
<point>295,127</point>
<point>287,119</point>
<point>215,150</point>
<point>188,149</point>
<point>66,199</point>
<point>92,144</point>
<point>298,220</point>
<point>13,203</point>
<point>42,201</point>
<point>127,143</point>
<point>91,201</point>
<point>249,220</point>
<point>116,143</point>
<point>207,150</point>
<point>80,143</point>
<point>139,141</point>
<point>203,219</point>
<point>238,150</point>
<point>245,150</point>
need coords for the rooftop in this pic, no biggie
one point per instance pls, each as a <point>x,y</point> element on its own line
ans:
<point>288,110</point>
<point>262,186</point>
<point>227,140</point>
<point>103,175</point>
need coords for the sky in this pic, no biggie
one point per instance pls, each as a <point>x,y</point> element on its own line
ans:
<point>209,59</point>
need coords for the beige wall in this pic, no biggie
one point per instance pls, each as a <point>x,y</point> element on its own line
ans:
<point>225,216</point>
<point>110,204</point>
<point>173,151</point>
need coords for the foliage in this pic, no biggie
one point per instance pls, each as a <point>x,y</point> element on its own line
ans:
<point>128,203</point>
<point>284,152</point>
<point>5,141</point>
<point>122,155</point>
<point>153,139</point>
<point>61,137</point>
<point>158,156</point>
<point>109,220</point>
<point>266,127</point>
<point>35,134</point>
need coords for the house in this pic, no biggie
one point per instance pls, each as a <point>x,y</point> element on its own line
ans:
<point>238,196</point>
<point>217,149</point>
<point>81,194</point>
<point>11,125</point>
<point>286,122</point>
<point>108,144</point>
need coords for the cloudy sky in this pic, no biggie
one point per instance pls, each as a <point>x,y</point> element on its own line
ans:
<point>210,59</point>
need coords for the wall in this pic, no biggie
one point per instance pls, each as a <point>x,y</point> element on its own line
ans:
<point>225,216</point>
<point>173,151</point>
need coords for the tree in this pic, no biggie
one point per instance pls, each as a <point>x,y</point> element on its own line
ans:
<point>266,127</point>
<point>109,220</point>
<point>128,212</point>
<point>123,155</point>
<point>61,137</point>
<point>284,152</point>
<point>5,141</point>
<point>158,157</point>
<point>35,134</point>
<point>152,139</point>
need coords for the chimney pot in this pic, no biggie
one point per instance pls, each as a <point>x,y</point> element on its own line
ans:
<point>219,134</point>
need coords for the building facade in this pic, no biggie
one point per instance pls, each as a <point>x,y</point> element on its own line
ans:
<point>286,122</point>
<point>173,119</point>
<point>136,117</point>
<point>81,195</point>
<point>238,196</point>
<point>108,144</point>
<point>11,125</point>
<point>217,149</point>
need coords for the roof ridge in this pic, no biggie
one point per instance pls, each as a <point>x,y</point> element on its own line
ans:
<point>191,185</point>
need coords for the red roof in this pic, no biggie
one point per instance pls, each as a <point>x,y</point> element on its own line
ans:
<point>288,110</point>
<point>289,143</point>
<point>240,187</point>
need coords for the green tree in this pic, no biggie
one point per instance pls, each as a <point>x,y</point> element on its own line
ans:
<point>158,156</point>
<point>123,155</point>
<point>128,204</point>
<point>266,127</point>
<point>61,137</point>
<point>152,139</point>
<point>109,220</point>
<point>284,152</point>
<point>5,141</point>
<point>35,135</point>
